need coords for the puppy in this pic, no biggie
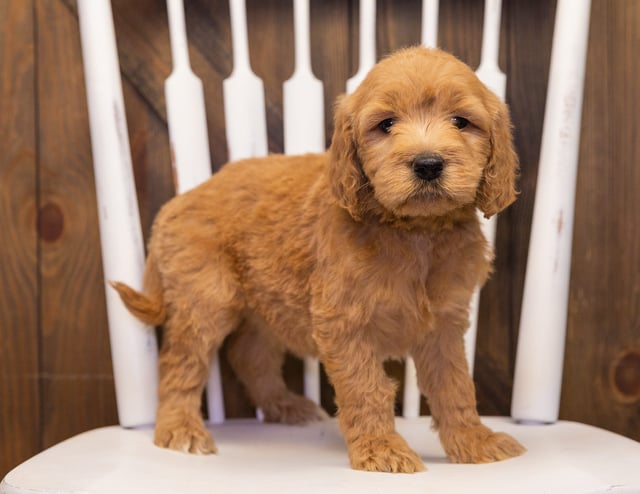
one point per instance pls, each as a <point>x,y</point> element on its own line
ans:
<point>368,252</point>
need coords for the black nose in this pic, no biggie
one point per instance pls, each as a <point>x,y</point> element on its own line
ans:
<point>428,167</point>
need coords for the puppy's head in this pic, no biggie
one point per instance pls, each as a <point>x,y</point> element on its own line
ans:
<point>420,137</point>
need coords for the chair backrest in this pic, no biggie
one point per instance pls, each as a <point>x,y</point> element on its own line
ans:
<point>133,346</point>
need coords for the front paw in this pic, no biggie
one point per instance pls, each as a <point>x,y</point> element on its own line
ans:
<point>479,444</point>
<point>185,434</point>
<point>387,453</point>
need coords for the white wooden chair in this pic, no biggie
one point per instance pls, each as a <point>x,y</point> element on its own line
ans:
<point>563,457</point>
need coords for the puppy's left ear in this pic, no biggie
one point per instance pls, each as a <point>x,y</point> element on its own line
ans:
<point>498,186</point>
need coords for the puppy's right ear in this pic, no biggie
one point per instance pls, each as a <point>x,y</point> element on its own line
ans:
<point>346,177</point>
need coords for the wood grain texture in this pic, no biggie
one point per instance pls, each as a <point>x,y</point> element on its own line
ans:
<point>149,141</point>
<point>69,388</point>
<point>20,434</point>
<point>602,364</point>
<point>270,29</point>
<point>76,376</point>
<point>334,48</point>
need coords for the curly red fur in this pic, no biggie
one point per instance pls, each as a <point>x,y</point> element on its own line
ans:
<point>355,256</point>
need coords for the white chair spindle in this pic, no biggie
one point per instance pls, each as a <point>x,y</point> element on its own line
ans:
<point>133,345</point>
<point>244,104</point>
<point>429,34</point>
<point>303,93</point>
<point>411,394</point>
<point>367,40</point>
<point>191,160</point>
<point>186,115</point>
<point>539,359</point>
<point>303,105</point>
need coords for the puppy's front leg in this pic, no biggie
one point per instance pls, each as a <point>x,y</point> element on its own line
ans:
<point>444,379</point>
<point>365,396</point>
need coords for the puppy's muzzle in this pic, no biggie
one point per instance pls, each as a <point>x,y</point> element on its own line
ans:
<point>427,167</point>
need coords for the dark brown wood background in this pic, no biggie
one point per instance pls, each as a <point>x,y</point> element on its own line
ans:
<point>55,372</point>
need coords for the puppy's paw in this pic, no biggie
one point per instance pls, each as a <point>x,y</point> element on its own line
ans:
<point>187,435</point>
<point>480,444</point>
<point>388,453</point>
<point>293,409</point>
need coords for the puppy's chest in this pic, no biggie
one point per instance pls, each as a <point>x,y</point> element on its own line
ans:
<point>389,279</point>
<point>398,288</point>
<point>398,285</point>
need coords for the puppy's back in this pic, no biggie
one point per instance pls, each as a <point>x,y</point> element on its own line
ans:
<point>254,208</point>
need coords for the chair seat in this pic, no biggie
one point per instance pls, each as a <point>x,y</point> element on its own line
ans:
<point>562,458</point>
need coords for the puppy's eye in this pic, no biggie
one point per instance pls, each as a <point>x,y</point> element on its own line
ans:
<point>459,122</point>
<point>386,124</point>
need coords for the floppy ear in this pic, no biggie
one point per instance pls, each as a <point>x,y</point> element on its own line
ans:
<point>497,188</point>
<point>346,177</point>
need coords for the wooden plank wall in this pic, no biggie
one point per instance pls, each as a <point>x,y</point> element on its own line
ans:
<point>20,403</point>
<point>55,371</point>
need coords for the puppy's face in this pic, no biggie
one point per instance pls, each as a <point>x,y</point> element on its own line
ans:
<point>426,138</point>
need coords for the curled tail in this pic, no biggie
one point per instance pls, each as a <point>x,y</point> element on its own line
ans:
<point>149,307</point>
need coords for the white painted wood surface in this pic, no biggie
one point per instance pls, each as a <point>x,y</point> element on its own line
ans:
<point>367,40</point>
<point>303,106</point>
<point>244,106</point>
<point>540,354</point>
<point>562,458</point>
<point>186,117</point>
<point>133,345</point>
<point>303,93</point>
<point>429,32</point>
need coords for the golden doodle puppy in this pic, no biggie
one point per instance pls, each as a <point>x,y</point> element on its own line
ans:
<point>365,253</point>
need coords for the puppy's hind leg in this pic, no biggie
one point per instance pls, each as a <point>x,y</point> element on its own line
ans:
<point>257,357</point>
<point>195,329</point>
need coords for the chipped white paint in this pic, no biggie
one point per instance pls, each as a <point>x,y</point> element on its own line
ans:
<point>538,372</point>
<point>133,344</point>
